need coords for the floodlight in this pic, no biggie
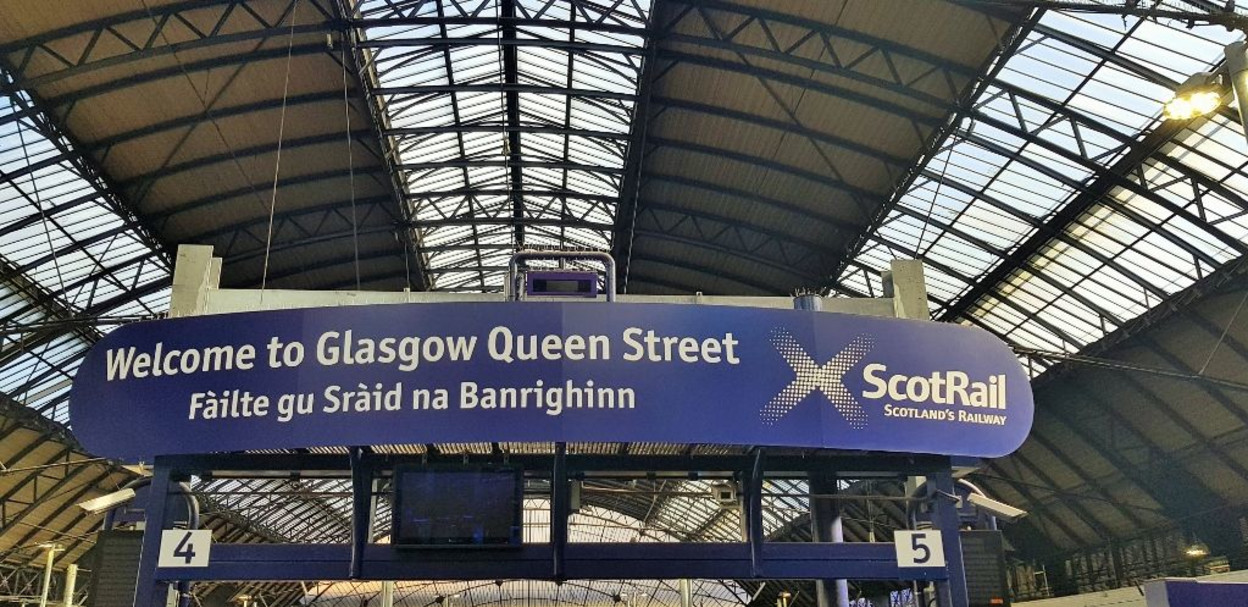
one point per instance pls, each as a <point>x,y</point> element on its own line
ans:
<point>107,502</point>
<point>1201,94</point>
<point>1000,510</point>
<point>1198,550</point>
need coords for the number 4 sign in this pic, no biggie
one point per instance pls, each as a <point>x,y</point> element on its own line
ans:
<point>919,548</point>
<point>183,548</point>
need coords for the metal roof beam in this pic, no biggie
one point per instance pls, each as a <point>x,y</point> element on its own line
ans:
<point>190,67</point>
<point>717,273</point>
<point>339,208</point>
<point>989,119</point>
<point>750,197</point>
<point>144,181</point>
<point>1089,196</point>
<point>518,22</point>
<point>164,215</point>
<point>363,72</point>
<point>43,497</point>
<point>1036,503</point>
<point>531,192</point>
<point>510,129</point>
<point>508,39</point>
<point>1126,510</point>
<point>511,75</point>
<point>861,197</point>
<point>468,163</point>
<point>1111,179</point>
<point>307,241</point>
<point>700,244</point>
<point>104,145</point>
<point>630,187</point>
<point>333,262</point>
<point>776,235</point>
<point>433,90</point>
<point>569,222</point>
<point>1180,495</point>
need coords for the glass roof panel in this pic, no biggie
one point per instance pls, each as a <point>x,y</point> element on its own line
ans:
<point>65,253</point>
<point>1055,122</point>
<point>551,99</point>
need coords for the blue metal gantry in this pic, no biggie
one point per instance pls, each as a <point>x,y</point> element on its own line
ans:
<point>753,558</point>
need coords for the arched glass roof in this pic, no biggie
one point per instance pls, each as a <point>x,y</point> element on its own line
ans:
<point>722,146</point>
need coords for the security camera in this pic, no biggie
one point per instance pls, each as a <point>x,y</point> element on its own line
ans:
<point>724,494</point>
<point>1000,510</point>
<point>107,502</point>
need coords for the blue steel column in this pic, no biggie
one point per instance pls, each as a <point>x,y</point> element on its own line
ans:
<point>951,593</point>
<point>361,510</point>
<point>147,590</point>
<point>826,525</point>
<point>559,509</point>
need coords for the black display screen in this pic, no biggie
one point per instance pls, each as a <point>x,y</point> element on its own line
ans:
<point>457,507</point>
<point>547,285</point>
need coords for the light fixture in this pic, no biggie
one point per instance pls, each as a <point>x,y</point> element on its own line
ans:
<point>107,502</point>
<point>1000,510</point>
<point>1197,550</point>
<point>1201,94</point>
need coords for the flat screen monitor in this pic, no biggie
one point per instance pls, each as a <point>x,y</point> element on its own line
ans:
<point>457,507</point>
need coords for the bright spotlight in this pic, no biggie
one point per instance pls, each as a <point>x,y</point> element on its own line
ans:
<point>1200,95</point>
<point>1186,107</point>
<point>1198,550</point>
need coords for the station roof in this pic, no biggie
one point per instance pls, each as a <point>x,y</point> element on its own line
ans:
<point>717,146</point>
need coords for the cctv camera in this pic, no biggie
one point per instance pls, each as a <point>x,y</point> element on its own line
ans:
<point>1000,510</point>
<point>107,502</point>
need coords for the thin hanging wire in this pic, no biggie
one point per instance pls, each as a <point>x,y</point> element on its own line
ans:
<point>346,110</point>
<point>931,208</point>
<point>277,162</point>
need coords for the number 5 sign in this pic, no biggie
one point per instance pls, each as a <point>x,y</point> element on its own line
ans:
<point>919,548</point>
<point>183,548</point>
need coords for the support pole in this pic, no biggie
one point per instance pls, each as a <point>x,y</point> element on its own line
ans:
<point>559,509</point>
<point>827,526</point>
<point>753,499</point>
<point>361,514</point>
<point>71,580</point>
<point>387,593</point>
<point>1237,65</point>
<point>148,590</point>
<point>950,593</point>
<point>686,592</point>
<point>47,573</point>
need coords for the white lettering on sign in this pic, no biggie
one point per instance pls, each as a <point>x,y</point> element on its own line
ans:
<point>128,362</point>
<point>648,345</point>
<point>940,388</point>
<point>919,548</point>
<point>184,548</point>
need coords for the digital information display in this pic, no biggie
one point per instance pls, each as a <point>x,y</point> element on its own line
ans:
<point>457,507</point>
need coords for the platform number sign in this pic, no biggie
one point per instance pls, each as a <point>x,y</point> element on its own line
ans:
<point>183,548</point>
<point>919,548</point>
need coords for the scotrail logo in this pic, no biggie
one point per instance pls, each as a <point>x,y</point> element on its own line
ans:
<point>809,376</point>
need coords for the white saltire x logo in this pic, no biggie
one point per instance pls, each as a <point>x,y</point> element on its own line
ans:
<point>809,376</point>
